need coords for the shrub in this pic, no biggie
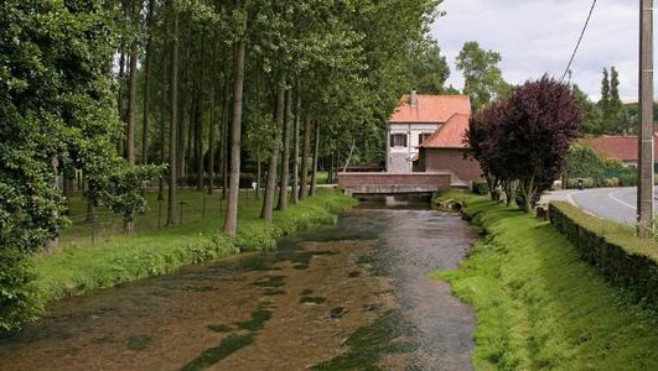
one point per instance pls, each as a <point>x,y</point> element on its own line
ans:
<point>619,255</point>
<point>19,302</point>
<point>583,162</point>
<point>480,188</point>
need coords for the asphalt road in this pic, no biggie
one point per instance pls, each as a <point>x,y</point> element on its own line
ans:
<point>616,204</point>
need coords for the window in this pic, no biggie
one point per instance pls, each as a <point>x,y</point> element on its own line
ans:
<point>423,137</point>
<point>398,140</point>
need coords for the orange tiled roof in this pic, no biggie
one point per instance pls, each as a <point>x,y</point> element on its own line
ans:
<point>618,147</point>
<point>449,135</point>
<point>431,108</point>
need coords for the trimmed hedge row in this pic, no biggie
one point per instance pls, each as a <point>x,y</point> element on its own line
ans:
<point>620,256</point>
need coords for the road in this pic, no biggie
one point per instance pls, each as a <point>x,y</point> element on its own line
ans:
<point>616,204</point>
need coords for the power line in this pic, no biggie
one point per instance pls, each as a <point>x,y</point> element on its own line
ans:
<point>580,39</point>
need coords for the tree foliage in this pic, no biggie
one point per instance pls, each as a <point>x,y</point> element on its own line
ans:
<point>527,136</point>
<point>590,112</point>
<point>583,162</point>
<point>608,116</point>
<point>428,68</point>
<point>73,72</point>
<point>57,111</point>
<point>483,79</point>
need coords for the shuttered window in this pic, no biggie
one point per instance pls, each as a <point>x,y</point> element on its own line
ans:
<point>398,140</point>
<point>423,137</point>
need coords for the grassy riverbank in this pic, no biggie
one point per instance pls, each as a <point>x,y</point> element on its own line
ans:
<point>82,266</point>
<point>539,306</point>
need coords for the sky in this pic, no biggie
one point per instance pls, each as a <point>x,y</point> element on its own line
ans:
<point>535,37</point>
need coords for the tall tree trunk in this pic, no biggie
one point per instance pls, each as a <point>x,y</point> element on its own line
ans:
<point>129,225</point>
<point>295,167</point>
<point>184,135</point>
<point>331,173</point>
<point>306,148</point>
<point>285,154</point>
<point>171,201</point>
<point>316,155</point>
<point>259,165</point>
<point>231,221</point>
<point>200,114</point>
<point>349,156</point>
<point>224,148</point>
<point>270,185</point>
<point>163,118</point>
<point>198,146</point>
<point>132,102</point>
<point>69,184</point>
<point>147,82</point>
<point>211,142</point>
<point>225,114</point>
<point>184,119</point>
<point>53,243</point>
<point>120,98</point>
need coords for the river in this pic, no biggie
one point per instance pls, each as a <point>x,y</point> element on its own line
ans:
<point>352,296</point>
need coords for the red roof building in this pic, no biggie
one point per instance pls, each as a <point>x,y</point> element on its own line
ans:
<point>449,135</point>
<point>445,151</point>
<point>617,147</point>
<point>419,118</point>
<point>436,109</point>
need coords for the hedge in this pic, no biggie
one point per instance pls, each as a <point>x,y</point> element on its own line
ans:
<point>621,257</point>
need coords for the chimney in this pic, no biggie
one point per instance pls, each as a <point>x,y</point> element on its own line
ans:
<point>413,98</point>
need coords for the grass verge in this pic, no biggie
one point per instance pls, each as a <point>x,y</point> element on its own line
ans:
<point>539,306</point>
<point>82,268</point>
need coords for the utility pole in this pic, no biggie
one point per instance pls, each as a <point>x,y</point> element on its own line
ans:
<point>645,145</point>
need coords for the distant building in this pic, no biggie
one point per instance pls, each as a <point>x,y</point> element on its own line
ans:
<point>416,119</point>
<point>617,147</point>
<point>445,151</point>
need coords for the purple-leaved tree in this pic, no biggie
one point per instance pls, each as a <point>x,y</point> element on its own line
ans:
<point>542,122</point>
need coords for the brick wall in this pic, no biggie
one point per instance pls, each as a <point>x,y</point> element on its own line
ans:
<point>346,180</point>
<point>435,159</point>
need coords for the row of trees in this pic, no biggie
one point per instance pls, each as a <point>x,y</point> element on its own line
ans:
<point>107,87</point>
<point>608,116</point>
<point>264,82</point>
<point>521,142</point>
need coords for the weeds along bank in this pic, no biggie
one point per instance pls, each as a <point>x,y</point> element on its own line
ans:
<point>78,270</point>
<point>539,305</point>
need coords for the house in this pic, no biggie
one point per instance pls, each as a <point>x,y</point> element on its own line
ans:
<point>417,118</point>
<point>445,149</point>
<point>617,147</point>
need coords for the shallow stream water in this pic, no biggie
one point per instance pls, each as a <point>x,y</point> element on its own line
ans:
<point>353,296</point>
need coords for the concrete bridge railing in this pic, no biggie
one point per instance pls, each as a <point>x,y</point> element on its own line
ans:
<point>392,183</point>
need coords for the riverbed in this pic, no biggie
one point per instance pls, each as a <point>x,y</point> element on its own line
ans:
<point>353,296</point>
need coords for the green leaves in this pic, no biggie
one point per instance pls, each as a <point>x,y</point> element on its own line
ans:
<point>483,79</point>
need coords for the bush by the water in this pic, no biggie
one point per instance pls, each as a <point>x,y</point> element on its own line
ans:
<point>480,188</point>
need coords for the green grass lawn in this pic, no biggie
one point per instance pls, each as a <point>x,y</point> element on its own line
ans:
<point>81,266</point>
<point>195,207</point>
<point>539,306</point>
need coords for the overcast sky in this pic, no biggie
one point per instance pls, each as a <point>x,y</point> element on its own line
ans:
<point>538,36</point>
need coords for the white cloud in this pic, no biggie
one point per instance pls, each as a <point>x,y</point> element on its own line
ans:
<point>537,37</point>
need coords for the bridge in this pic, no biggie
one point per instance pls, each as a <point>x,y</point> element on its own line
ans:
<point>393,183</point>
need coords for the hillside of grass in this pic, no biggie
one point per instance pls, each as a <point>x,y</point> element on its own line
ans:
<point>538,306</point>
<point>82,266</point>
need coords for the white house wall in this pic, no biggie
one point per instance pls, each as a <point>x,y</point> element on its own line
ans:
<point>398,158</point>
